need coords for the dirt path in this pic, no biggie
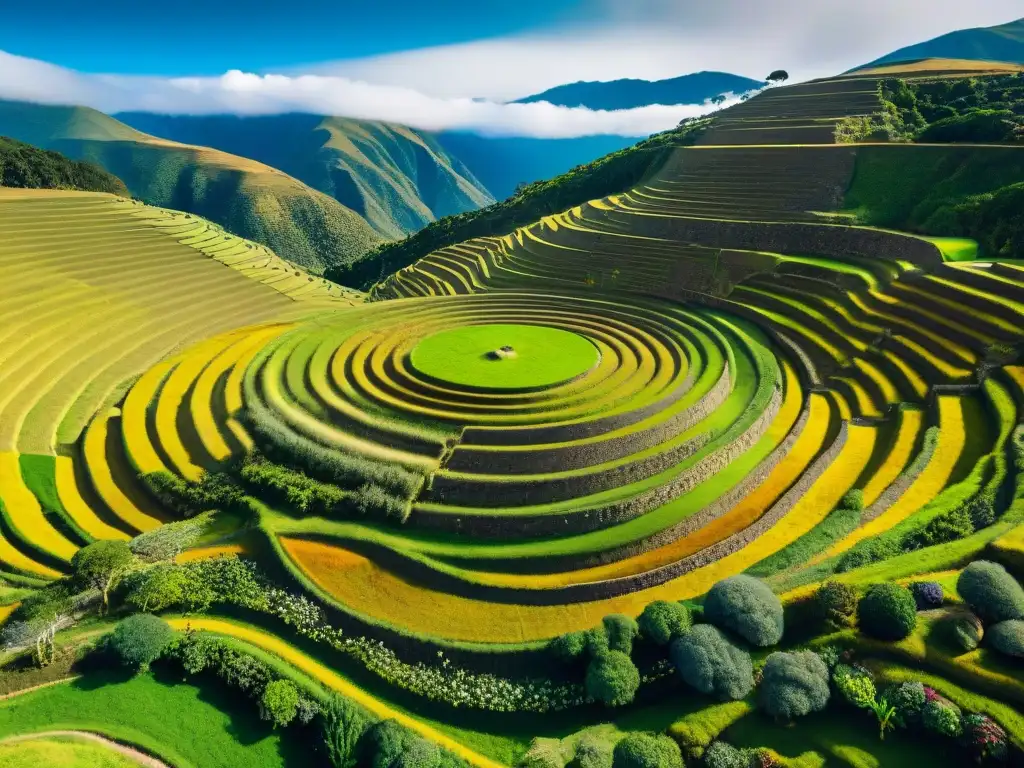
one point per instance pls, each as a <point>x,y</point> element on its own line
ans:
<point>140,758</point>
<point>12,694</point>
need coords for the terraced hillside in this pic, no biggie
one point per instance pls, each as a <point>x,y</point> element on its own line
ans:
<point>247,197</point>
<point>96,289</point>
<point>455,499</point>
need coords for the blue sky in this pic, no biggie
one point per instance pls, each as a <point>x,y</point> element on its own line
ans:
<point>207,37</point>
<point>439,64</point>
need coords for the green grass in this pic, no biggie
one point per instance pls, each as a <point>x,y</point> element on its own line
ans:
<point>61,752</point>
<point>956,248</point>
<point>840,738</point>
<point>38,471</point>
<point>187,726</point>
<point>469,356</point>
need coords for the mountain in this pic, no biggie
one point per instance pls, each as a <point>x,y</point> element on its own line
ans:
<point>247,197</point>
<point>28,167</point>
<point>628,94</point>
<point>396,178</point>
<point>1002,43</point>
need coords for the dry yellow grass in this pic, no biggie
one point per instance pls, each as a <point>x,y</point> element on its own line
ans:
<point>910,424</point>
<point>376,592</point>
<point>929,483</point>
<point>98,466</point>
<point>76,507</point>
<point>209,553</point>
<point>25,514</point>
<point>135,430</point>
<point>333,680</point>
<point>933,66</point>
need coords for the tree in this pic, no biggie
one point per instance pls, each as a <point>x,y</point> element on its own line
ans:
<point>662,621</point>
<point>778,76</point>
<point>793,685</point>
<point>102,565</point>
<point>647,750</point>
<point>613,679</point>
<point>38,620</point>
<point>156,588</point>
<point>343,725</point>
<point>139,640</point>
<point>279,702</point>
<point>707,661</point>
<point>746,606</point>
<point>991,592</point>
<point>887,612</point>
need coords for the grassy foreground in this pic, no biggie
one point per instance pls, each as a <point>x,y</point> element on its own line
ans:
<point>61,753</point>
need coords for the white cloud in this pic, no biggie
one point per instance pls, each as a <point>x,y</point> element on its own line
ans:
<point>250,94</point>
<point>655,39</point>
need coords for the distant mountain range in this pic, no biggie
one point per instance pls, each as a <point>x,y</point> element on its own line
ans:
<point>1002,43</point>
<point>630,94</point>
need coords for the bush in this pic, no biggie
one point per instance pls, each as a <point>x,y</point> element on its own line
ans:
<point>568,648</point>
<point>663,620</point>
<point>647,750</point>
<point>384,742</point>
<point>101,565</point>
<point>723,755</point>
<point>613,679</point>
<point>1007,637</point>
<point>927,594</point>
<point>986,739</point>
<point>941,715</point>
<point>854,500</point>
<point>991,592</point>
<point>139,640</point>
<point>746,606</point>
<point>707,661</point>
<point>854,685</point>
<point>595,641</point>
<point>887,612</point>
<point>963,631</point>
<point>342,725</point>
<point>620,630</point>
<point>592,751</point>
<point>793,685</point>
<point>418,753</point>
<point>543,753</point>
<point>835,604</point>
<point>280,702</point>
<point>156,588</point>
<point>909,700</point>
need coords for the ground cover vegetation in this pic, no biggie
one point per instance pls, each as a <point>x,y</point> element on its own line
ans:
<point>22,165</point>
<point>771,475</point>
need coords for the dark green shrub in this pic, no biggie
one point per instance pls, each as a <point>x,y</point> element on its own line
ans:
<point>383,743</point>
<point>746,606</point>
<point>663,620</point>
<point>963,631</point>
<point>647,750</point>
<point>595,641</point>
<point>342,725</point>
<point>279,702</point>
<point>139,640</point>
<point>980,125</point>
<point>1007,637</point>
<point>592,751</point>
<point>991,592</point>
<point>569,648</point>
<point>941,715</point>
<point>25,166</point>
<point>909,700</point>
<point>156,588</point>
<point>927,594</point>
<point>620,630</point>
<point>835,604</point>
<point>887,611</point>
<point>986,739</point>
<point>375,500</point>
<point>793,685</point>
<point>612,679</point>
<point>854,499</point>
<point>723,755</point>
<point>418,753</point>
<point>707,661</point>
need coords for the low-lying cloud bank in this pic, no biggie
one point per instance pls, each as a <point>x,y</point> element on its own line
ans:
<point>244,93</point>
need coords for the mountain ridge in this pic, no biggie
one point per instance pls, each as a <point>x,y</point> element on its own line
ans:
<point>630,93</point>
<point>1004,42</point>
